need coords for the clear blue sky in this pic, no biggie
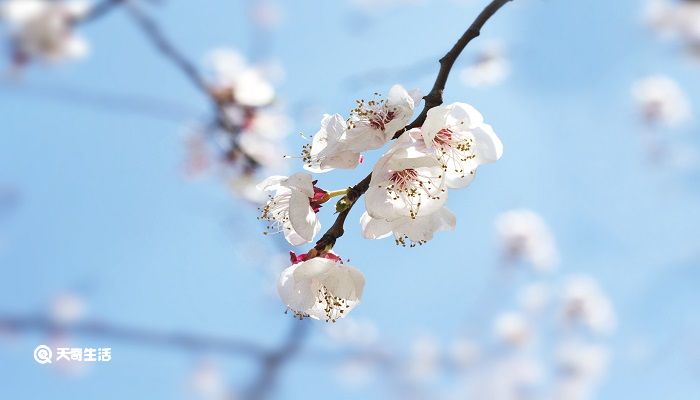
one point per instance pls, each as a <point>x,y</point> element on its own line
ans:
<point>105,211</point>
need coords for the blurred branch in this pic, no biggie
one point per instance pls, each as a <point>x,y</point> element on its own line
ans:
<point>100,9</point>
<point>183,341</point>
<point>273,363</point>
<point>432,99</point>
<point>130,103</point>
<point>167,49</point>
<point>380,75</point>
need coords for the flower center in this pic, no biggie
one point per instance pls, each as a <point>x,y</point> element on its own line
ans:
<point>276,212</point>
<point>404,179</point>
<point>409,186</point>
<point>334,306</point>
<point>443,137</point>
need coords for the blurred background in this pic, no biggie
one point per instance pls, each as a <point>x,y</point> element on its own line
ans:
<point>128,218</point>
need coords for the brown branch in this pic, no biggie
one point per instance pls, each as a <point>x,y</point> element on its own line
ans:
<point>432,99</point>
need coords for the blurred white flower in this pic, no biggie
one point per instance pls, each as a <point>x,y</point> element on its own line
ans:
<point>585,303</point>
<point>514,377</point>
<point>352,331</point>
<point>414,231</point>
<point>245,85</point>
<point>490,68</point>
<point>523,234</point>
<point>678,19</point>
<point>246,186</point>
<point>374,7</point>
<point>513,329</point>
<point>464,353</point>
<point>293,208</point>
<point>534,297</point>
<point>45,29</point>
<point>67,308</point>
<point>321,288</point>
<point>581,366</point>
<point>266,14</point>
<point>460,139</point>
<point>424,359</point>
<point>661,100</point>
<point>206,382</point>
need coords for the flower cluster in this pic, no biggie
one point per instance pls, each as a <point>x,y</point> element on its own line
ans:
<point>249,129</point>
<point>43,29</point>
<point>677,19</point>
<point>405,195</point>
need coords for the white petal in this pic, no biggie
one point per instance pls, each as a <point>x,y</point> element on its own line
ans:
<point>252,89</point>
<point>345,281</point>
<point>488,146</point>
<point>378,204</point>
<point>302,217</point>
<point>296,294</point>
<point>272,182</point>
<point>423,227</point>
<point>302,182</point>
<point>374,228</point>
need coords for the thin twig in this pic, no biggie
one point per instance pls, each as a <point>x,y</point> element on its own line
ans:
<point>99,10</point>
<point>432,99</point>
<point>183,341</point>
<point>272,364</point>
<point>167,49</point>
<point>130,103</point>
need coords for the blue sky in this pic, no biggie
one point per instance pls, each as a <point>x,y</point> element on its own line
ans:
<point>105,211</point>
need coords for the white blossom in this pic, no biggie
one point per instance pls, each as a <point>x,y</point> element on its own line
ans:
<point>246,84</point>
<point>460,139</point>
<point>328,149</point>
<point>67,308</point>
<point>534,298</point>
<point>321,288</point>
<point>490,68</point>
<point>523,233</point>
<point>661,100</point>
<point>246,186</point>
<point>585,303</point>
<point>373,123</point>
<point>677,19</point>
<point>512,328</point>
<point>424,359</point>
<point>581,366</point>
<point>407,181</point>
<point>292,208</point>
<point>464,352</point>
<point>415,231</point>
<point>45,29</point>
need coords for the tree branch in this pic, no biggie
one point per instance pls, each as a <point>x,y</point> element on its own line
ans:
<point>167,49</point>
<point>432,99</point>
<point>183,341</point>
<point>99,10</point>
